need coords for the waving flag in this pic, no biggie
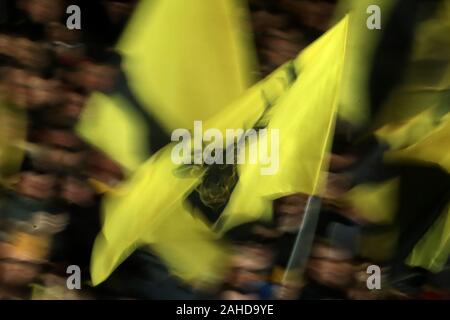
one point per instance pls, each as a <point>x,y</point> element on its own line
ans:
<point>156,207</point>
<point>181,61</point>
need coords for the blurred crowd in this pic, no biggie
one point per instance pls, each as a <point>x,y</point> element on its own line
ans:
<point>49,203</point>
<point>49,213</point>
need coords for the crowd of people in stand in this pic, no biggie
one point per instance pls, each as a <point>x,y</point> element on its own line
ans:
<point>52,181</point>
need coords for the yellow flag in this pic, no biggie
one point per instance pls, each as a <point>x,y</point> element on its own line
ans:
<point>415,120</point>
<point>304,117</point>
<point>362,44</point>
<point>183,61</point>
<point>427,77</point>
<point>375,202</point>
<point>151,208</point>
<point>110,124</point>
<point>186,60</point>
<point>148,210</point>
<point>432,148</point>
<point>433,249</point>
<point>402,134</point>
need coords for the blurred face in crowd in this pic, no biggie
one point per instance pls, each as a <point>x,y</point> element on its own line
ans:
<point>77,192</point>
<point>5,44</point>
<point>44,11</point>
<point>74,105</point>
<point>16,272</point>
<point>118,11</point>
<point>29,53</point>
<point>15,86</point>
<point>92,76</point>
<point>330,266</point>
<point>281,47</point>
<point>42,92</point>
<point>252,257</point>
<point>59,160</point>
<point>37,186</point>
<point>67,113</point>
<point>289,211</point>
<point>61,150</point>
<point>250,266</point>
<point>103,169</point>
<point>264,20</point>
<point>29,91</point>
<point>59,138</point>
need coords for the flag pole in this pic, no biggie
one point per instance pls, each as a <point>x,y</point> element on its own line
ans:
<point>304,239</point>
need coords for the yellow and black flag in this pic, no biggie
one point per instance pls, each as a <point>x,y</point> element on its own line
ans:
<point>165,205</point>
<point>304,117</point>
<point>150,208</point>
